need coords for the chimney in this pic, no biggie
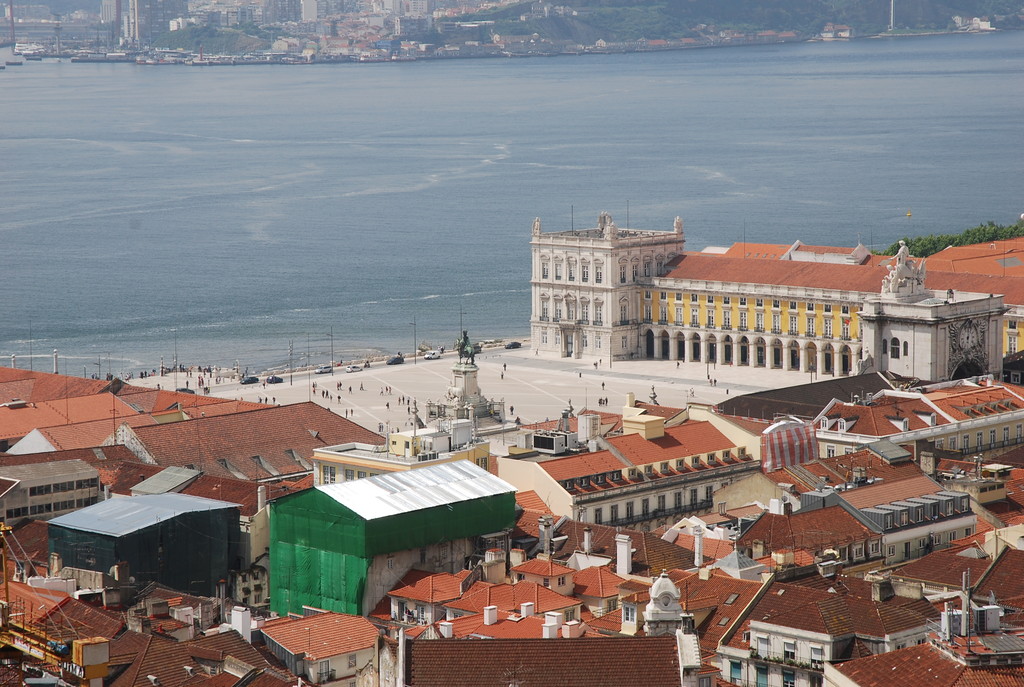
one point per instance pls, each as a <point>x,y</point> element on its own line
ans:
<point>516,557</point>
<point>572,629</point>
<point>153,680</point>
<point>631,400</point>
<point>928,463</point>
<point>775,507</point>
<point>56,563</point>
<point>704,573</point>
<point>549,630</point>
<point>490,615</point>
<point>588,540</point>
<point>189,671</point>
<point>446,628</point>
<point>698,546</point>
<point>552,617</point>
<point>721,508</point>
<point>881,590</point>
<point>261,497</point>
<point>623,555</point>
<point>526,609</point>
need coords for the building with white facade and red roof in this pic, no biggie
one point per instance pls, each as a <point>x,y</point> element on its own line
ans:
<point>611,293</point>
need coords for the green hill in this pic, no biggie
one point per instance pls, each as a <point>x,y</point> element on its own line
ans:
<point>619,20</point>
<point>212,41</point>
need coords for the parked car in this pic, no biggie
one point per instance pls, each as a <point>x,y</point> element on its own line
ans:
<point>396,360</point>
<point>274,379</point>
<point>432,355</point>
<point>185,390</point>
<point>513,344</point>
<point>249,380</point>
<point>353,368</point>
<point>323,370</point>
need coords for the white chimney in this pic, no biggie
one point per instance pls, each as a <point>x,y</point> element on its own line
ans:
<point>698,546</point>
<point>526,610</point>
<point>623,555</point>
<point>56,370</point>
<point>552,617</point>
<point>588,541</point>
<point>775,507</point>
<point>549,630</point>
<point>241,620</point>
<point>490,615</point>
<point>261,497</point>
<point>572,629</point>
<point>446,628</point>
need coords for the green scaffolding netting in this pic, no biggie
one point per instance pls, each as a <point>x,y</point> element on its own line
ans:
<point>321,550</point>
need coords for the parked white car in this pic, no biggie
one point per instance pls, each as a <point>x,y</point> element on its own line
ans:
<point>432,355</point>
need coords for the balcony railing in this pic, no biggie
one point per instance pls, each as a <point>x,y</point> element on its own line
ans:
<point>544,318</point>
<point>660,513</point>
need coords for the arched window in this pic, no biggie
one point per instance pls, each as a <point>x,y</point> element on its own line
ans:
<point>894,347</point>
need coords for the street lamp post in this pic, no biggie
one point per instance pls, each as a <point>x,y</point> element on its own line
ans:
<point>291,371</point>
<point>332,350</point>
<point>414,349</point>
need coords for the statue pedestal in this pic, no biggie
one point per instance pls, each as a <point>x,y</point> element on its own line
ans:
<point>463,399</point>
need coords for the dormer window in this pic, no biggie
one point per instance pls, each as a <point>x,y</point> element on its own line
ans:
<point>664,467</point>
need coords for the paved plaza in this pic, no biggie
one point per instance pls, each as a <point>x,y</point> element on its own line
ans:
<point>533,387</point>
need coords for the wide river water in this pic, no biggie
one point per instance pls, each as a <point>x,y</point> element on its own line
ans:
<point>228,212</point>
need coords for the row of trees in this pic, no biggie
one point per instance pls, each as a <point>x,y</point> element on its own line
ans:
<point>923,246</point>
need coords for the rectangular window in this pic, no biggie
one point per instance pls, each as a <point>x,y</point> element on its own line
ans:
<point>679,315</point>
<point>558,270</point>
<point>828,328</point>
<point>775,304</point>
<point>743,320</point>
<point>614,512</point>
<point>810,326</point>
<point>598,275</point>
<point>622,274</point>
<point>759,303</point>
<point>727,319</point>
<point>792,324</point>
<point>328,474</point>
<point>776,323</point>
<point>645,506</point>
<point>759,321</point>
<point>789,651</point>
<point>598,516</point>
<point>572,272</point>
<point>788,678</point>
<point>711,318</point>
<point>544,272</point>
<point>694,318</point>
<point>585,272</point>
<point>350,475</point>
<point>629,509</point>
<point>762,676</point>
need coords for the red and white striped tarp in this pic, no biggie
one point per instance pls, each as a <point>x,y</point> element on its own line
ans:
<point>786,443</point>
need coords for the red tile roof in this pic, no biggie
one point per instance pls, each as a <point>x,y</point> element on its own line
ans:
<point>887,492</point>
<point>530,500</point>
<point>544,568</point>
<point>323,635</point>
<point>225,445</point>
<point>510,597</point>
<point>810,530</point>
<point>866,279</point>
<point>17,421</point>
<point>607,661</point>
<point>43,386</point>
<point>925,665</point>
<point>597,581</point>
<point>435,588</point>
<point>944,568</point>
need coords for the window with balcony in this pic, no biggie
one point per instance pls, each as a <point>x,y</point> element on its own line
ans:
<point>810,326</point>
<point>828,328</point>
<point>584,272</point>
<point>558,271</point>
<point>622,274</point>
<point>636,269</point>
<point>647,269</point>
<point>793,324</point>
<point>694,318</point>
<point>710,319</point>
<point>544,271</point>
<point>727,319</point>
<point>743,320</point>
<point>572,271</point>
<point>679,315</point>
<point>598,275</point>
<point>759,321</point>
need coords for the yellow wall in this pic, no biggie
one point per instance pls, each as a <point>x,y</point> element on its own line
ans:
<point>682,300</point>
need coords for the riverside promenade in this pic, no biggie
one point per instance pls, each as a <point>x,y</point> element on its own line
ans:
<point>534,388</point>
